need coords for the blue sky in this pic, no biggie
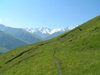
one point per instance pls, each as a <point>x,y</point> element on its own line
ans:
<point>47,13</point>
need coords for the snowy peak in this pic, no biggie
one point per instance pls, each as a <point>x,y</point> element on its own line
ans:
<point>57,30</point>
<point>45,30</point>
<point>48,33</point>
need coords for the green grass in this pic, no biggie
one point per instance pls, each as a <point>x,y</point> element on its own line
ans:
<point>77,51</point>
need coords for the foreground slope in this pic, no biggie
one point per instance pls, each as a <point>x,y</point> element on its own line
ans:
<point>76,52</point>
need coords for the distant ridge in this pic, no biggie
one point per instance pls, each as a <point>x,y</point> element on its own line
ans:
<point>21,34</point>
<point>9,41</point>
<point>11,38</point>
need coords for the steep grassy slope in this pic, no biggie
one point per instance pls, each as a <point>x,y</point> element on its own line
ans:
<point>9,41</point>
<point>76,52</point>
<point>21,34</point>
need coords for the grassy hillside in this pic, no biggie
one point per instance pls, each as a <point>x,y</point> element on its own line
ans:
<point>76,52</point>
<point>9,42</point>
<point>21,34</point>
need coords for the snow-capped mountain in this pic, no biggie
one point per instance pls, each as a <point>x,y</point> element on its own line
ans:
<point>47,32</point>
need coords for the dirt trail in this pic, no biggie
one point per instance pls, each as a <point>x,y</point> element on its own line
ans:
<point>57,63</point>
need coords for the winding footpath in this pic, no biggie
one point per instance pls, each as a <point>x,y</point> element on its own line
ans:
<point>57,63</point>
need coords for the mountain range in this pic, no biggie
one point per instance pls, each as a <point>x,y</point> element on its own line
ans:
<point>76,52</point>
<point>9,41</point>
<point>11,38</point>
<point>14,37</point>
<point>48,33</point>
<point>21,34</point>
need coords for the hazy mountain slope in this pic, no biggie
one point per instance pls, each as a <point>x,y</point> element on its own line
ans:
<point>9,41</point>
<point>76,52</point>
<point>21,34</point>
<point>3,50</point>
